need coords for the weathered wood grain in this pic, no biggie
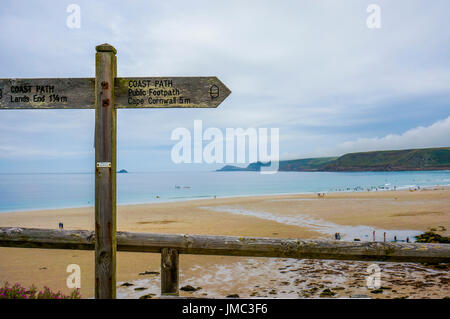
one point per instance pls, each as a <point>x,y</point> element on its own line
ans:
<point>169,271</point>
<point>101,93</point>
<point>54,93</point>
<point>105,176</point>
<point>170,92</point>
<point>145,92</point>
<point>230,245</point>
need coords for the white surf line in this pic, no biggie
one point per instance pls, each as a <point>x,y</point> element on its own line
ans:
<point>362,232</point>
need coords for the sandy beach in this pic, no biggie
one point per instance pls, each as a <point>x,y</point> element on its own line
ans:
<point>355,215</point>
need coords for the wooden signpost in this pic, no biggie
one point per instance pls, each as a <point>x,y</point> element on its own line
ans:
<point>185,92</point>
<point>47,93</point>
<point>106,92</point>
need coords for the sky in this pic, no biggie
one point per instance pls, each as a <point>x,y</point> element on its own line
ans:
<point>313,69</point>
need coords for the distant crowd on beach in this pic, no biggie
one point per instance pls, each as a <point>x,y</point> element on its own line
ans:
<point>337,236</point>
<point>386,187</point>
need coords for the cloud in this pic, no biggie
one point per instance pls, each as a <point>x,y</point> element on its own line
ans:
<point>435,135</point>
<point>310,68</point>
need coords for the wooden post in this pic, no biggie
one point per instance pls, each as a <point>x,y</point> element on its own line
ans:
<point>169,271</point>
<point>105,173</point>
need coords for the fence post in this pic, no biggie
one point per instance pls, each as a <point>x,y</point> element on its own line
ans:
<point>105,173</point>
<point>169,271</point>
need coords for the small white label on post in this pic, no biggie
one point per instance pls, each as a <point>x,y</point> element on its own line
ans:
<point>103,164</point>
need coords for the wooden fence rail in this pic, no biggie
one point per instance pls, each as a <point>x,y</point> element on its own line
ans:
<point>170,245</point>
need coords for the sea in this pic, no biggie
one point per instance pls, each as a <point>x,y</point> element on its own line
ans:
<point>22,192</point>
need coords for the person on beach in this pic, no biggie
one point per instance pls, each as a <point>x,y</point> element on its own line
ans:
<point>60,225</point>
<point>384,235</point>
<point>373,235</point>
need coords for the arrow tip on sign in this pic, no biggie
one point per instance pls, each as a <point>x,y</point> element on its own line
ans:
<point>224,91</point>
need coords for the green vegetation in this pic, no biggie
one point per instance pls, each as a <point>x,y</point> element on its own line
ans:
<point>17,291</point>
<point>431,237</point>
<point>402,160</point>
<point>306,164</point>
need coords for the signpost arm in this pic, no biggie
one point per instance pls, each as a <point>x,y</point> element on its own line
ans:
<point>105,173</point>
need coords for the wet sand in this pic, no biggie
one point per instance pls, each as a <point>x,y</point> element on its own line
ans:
<point>400,213</point>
